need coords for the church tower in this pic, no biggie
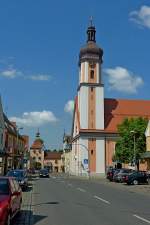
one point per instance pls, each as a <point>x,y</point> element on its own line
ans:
<point>88,147</point>
<point>91,90</point>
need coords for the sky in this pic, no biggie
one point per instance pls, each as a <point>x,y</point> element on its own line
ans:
<point>39,47</point>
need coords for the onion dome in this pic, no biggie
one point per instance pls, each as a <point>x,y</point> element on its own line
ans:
<point>91,51</point>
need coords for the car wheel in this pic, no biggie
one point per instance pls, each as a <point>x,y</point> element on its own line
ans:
<point>135,182</point>
<point>149,181</point>
<point>8,222</point>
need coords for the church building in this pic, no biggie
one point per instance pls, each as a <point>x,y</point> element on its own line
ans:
<point>95,119</point>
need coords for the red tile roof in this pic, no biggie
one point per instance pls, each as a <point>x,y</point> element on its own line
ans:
<point>116,110</point>
<point>52,155</point>
<point>37,144</point>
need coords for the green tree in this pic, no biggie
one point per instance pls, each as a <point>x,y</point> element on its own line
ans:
<point>128,130</point>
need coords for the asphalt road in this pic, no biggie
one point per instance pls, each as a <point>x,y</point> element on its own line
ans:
<point>63,201</point>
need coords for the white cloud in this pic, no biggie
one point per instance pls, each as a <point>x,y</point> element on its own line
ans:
<point>10,73</point>
<point>123,80</point>
<point>40,77</point>
<point>141,16</point>
<point>35,119</point>
<point>69,106</point>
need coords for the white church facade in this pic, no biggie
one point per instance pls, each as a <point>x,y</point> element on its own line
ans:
<point>95,119</point>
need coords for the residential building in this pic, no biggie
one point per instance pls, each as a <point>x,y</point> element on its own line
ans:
<point>145,161</point>
<point>54,161</point>
<point>2,144</point>
<point>26,159</point>
<point>37,153</point>
<point>14,146</point>
<point>95,120</point>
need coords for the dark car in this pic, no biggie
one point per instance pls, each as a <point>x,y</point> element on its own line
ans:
<point>10,199</point>
<point>44,173</point>
<point>121,175</point>
<point>137,177</point>
<point>110,173</point>
<point>21,176</point>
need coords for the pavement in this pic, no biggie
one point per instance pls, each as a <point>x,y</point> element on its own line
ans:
<point>62,200</point>
<point>26,215</point>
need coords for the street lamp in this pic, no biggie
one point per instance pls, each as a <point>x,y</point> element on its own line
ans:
<point>134,158</point>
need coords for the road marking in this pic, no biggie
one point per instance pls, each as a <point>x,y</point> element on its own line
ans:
<point>70,185</point>
<point>101,199</point>
<point>141,218</point>
<point>80,189</point>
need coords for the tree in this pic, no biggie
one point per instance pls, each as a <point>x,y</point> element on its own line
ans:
<point>124,151</point>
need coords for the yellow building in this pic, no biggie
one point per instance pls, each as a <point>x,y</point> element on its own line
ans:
<point>54,161</point>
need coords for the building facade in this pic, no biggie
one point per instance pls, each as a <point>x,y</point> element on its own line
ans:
<point>66,157</point>
<point>96,118</point>
<point>54,161</point>
<point>37,153</point>
<point>145,161</point>
<point>2,141</point>
<point>14,146</point>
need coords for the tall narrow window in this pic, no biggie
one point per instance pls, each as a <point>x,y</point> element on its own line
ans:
<point>92,74</point>
<point>91,89</point>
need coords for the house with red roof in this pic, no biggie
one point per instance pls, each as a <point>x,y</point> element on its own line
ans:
<point>53,161</point>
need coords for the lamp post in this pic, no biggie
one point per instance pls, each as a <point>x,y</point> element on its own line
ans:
<point>134,152</point>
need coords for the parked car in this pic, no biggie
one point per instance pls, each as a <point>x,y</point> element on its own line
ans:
<point>21,176</point>
<point>44,173</point>
<point>111,172</point>
<point>31,171</point>
<point>10,199</point>
<point>137,177</point>
<point>121,175</point>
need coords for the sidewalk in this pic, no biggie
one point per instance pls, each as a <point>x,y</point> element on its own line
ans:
<point>26,215</point>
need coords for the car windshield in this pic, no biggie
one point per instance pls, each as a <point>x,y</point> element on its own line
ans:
<point>4,187</point>
<point>15,173</point>
<point>43,171</point>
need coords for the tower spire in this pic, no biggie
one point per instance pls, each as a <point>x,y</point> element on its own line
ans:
<point>38,133</point>
<point>91,31</point>
<point>91,21</point>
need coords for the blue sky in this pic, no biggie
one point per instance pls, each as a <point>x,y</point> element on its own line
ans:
<point>39,47</point>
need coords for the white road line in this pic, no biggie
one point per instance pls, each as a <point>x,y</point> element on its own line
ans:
<point>80,189</point>
<point>141,218</point>
<point>70,185</point>
<point>101,199</point>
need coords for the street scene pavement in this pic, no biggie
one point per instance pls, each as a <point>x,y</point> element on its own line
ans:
<point>25,216</point>
<point>61,200</point>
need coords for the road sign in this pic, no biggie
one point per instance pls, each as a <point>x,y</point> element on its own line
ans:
<point>85,161</point>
